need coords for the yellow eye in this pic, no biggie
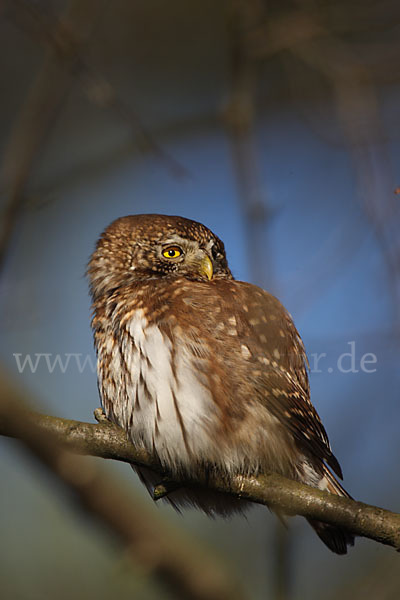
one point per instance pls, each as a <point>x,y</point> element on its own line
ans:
<point>172,252</point>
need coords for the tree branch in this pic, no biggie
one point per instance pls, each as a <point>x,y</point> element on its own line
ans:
<point>159,549</point>
<point>272,490</point>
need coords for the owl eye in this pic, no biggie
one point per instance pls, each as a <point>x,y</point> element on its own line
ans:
<point>172,252</point>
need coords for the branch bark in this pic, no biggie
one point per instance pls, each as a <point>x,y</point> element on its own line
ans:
<point>272,490</point>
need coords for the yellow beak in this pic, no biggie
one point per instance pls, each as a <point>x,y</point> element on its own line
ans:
<point>206,267</point>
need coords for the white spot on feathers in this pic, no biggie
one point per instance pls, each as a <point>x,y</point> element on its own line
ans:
<point>245,351</point>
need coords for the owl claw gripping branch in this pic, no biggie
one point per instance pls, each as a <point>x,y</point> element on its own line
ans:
<point>203,371</point>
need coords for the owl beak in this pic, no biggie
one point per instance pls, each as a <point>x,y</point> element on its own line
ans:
<point>206,267</point>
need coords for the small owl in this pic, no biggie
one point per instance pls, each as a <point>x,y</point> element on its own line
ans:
<point>203,371</point>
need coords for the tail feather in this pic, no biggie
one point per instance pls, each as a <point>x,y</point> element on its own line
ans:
<point>336,538</point>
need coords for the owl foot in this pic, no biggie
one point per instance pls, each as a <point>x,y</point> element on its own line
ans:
<point>240,480</point>
<point>100,416</point>
<point>164,488</point>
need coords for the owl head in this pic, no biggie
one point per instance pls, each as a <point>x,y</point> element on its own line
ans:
<point>143,247</point>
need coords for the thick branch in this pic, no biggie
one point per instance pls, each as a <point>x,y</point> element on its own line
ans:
<point>157,547</point>
<point>109,441</point>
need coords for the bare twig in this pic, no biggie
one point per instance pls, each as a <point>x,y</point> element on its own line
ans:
<point>307,36</point>
<point>239,116</point>
<point>359,116</point>
<point>109,441</point>
<point>97,88</point>
<point>39,112</point>
<point>294,27</point>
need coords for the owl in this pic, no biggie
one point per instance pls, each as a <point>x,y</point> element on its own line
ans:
<point>205,372</point>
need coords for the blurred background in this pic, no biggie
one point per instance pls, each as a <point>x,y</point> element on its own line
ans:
<point>276,124</point>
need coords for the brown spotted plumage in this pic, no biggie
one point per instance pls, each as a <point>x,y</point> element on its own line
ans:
<point>204,371</point>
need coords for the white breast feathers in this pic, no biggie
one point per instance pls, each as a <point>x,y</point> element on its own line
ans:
<point>156,395</point>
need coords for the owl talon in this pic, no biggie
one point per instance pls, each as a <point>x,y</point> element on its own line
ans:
<point>164,488</point>
<point>241,486</point>
<point>100,416</point>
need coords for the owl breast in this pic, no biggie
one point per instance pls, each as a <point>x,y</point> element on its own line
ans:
<point>149,387</point>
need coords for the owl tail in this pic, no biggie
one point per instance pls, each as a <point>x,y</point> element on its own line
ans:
<point>335,538</point>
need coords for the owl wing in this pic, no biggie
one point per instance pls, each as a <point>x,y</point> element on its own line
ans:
<point>267,329</point>
<point>296,413</point>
